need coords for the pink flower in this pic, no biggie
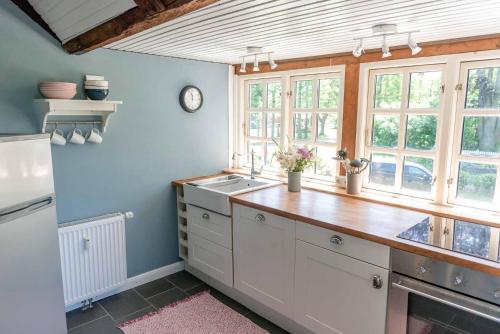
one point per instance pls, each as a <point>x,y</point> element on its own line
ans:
<point>305,153</point>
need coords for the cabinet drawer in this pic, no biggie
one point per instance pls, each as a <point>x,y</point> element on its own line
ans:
<point>212,259</point>
<point>210,225</point>
<point>342,243</point>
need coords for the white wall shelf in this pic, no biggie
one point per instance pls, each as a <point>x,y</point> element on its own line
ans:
<point>77,110</point>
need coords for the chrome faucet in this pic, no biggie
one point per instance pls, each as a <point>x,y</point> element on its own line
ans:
<point>253,172</point>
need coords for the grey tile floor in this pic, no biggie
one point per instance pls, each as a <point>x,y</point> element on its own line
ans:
<point>134,303</point>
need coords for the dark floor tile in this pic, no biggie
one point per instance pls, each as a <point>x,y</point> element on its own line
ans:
<point>123,304</point>
<point>135,315</point>
<point>184,280</point>
<point>153,288</point>
<point>265,324</point>
<point>78,317</point>
<point>101,326</point>
<point>229,302</point>
<point>167,297</point>
<point>197,289</point>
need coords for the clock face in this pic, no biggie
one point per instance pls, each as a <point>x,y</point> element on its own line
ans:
<point>191,98</point>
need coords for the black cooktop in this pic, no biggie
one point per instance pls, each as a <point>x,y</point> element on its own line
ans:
<point>459,236</point>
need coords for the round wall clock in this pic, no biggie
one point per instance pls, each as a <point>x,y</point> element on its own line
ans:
<point>191,98</point>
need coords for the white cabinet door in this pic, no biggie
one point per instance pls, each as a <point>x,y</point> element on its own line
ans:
<point>335,293</point>
<point>263,246</point>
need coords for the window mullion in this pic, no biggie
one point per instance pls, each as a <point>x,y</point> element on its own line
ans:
<point>402,131</point>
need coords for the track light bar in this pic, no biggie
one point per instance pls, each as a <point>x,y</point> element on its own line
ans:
<point>255,52</point>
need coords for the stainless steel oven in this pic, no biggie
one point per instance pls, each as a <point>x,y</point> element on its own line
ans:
<point>429,296</point>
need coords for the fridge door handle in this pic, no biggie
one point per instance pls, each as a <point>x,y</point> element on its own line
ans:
<point>25,209</point>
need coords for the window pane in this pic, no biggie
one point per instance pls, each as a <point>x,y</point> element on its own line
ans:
<point>472,238</point>
<point>327,127</point>
<point>383,169</point>
<point>303,94</point>
<point>270,159</point>
<point>425,90</point>
<point>256,146</point>
<point>481,136</point>
<point>255,128</point>
<point>476,181</point>
<point>273,124</point>
<point>274,95</point>
<point>388,91</point>
<point>385,131</point>
<point>256,96</point>
<point>421,132</point>
<point>329,93</point>
<point>324,165</point>
<point>483,88</point>
<point>417,173</point>
<point>302,126</point>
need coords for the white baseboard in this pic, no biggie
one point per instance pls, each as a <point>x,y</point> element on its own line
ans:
<point>141,279</point>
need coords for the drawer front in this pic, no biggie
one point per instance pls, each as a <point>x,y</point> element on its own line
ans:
<point>210,225</point>
<point>342,243</point>
<point>212,259</point>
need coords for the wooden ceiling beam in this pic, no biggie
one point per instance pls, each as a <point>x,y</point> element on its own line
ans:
<point>147,14</point>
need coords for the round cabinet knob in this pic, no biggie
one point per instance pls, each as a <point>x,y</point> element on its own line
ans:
<point>205,216</point>
<point>421,270</point>
<point>377,282</point>
<point>459,279</point>
<point>337,240</point>
<point>496,294</point>
<point>260,218</point>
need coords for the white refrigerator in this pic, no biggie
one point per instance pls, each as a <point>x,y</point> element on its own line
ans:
<point>31,290</point>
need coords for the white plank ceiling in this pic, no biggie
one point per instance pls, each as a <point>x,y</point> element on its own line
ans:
<point>303,28</point>
<point>70,18</point>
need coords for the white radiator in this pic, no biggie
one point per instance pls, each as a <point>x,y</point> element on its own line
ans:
<point>93,257</point>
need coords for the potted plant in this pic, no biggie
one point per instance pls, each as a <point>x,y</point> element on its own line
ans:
<point>294,161</point>
<point>353,169</point>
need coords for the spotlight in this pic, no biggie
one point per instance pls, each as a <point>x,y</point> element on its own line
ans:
<point>413,46</point>
<point>272,63</point>
<point>243,67</point>
<point>359,49</point>
<point>385,49</point>
<point>256,64</point>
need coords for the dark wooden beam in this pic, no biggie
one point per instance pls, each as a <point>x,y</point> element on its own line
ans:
<point>26,7</point>
<point>147,14</point>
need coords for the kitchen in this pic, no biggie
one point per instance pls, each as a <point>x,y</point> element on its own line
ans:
<point>187,173</point>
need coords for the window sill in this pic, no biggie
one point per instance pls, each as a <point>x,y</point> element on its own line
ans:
<point>401,201</point>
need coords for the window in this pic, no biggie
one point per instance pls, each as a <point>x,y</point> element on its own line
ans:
<point>264,111</point>
<point>403,114</point>
<point>315,113</point>
<point>476,149</point>
<point>310,114</point>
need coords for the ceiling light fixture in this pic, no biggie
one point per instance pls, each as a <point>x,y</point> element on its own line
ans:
<point>384,30</point>
<point>413,45</point>
<point>243,67</point>
<point>272,63</point>
<point>385,49</point>
<point>256,64</point>
<point>359,50</point>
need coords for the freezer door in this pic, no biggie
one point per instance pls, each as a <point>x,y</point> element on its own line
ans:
<point>31,293</point>
<point>25,171</point>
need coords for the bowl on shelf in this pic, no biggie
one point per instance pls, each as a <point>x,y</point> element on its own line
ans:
<point>58,90</point>
<point>97,94</point>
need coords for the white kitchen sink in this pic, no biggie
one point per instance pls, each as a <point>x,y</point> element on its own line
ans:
<point>213,194</point>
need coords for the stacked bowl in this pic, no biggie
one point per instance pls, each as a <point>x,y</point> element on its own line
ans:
<point>96,89</point>
<point>58,90</point>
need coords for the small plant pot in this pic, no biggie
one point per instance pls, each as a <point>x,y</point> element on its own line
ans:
<point>354,184</point>
<point>294,181</point>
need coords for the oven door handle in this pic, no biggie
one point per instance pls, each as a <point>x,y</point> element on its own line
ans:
<point>454,303</point>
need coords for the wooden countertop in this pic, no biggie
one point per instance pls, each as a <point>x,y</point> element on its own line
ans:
<point>371,221</point>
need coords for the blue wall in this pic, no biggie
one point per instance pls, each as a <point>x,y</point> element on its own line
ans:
<point>150,140</point>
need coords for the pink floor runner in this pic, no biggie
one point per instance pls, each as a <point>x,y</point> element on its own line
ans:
<point>199,314</point>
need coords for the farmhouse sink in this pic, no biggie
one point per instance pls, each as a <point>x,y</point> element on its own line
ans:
<point>213,193</point>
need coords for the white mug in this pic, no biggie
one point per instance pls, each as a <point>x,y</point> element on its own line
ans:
<point>94,136</point>
<point>76,137</point>
<point>57,137</point>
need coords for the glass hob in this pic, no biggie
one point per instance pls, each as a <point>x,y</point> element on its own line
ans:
<point>478,240</point>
